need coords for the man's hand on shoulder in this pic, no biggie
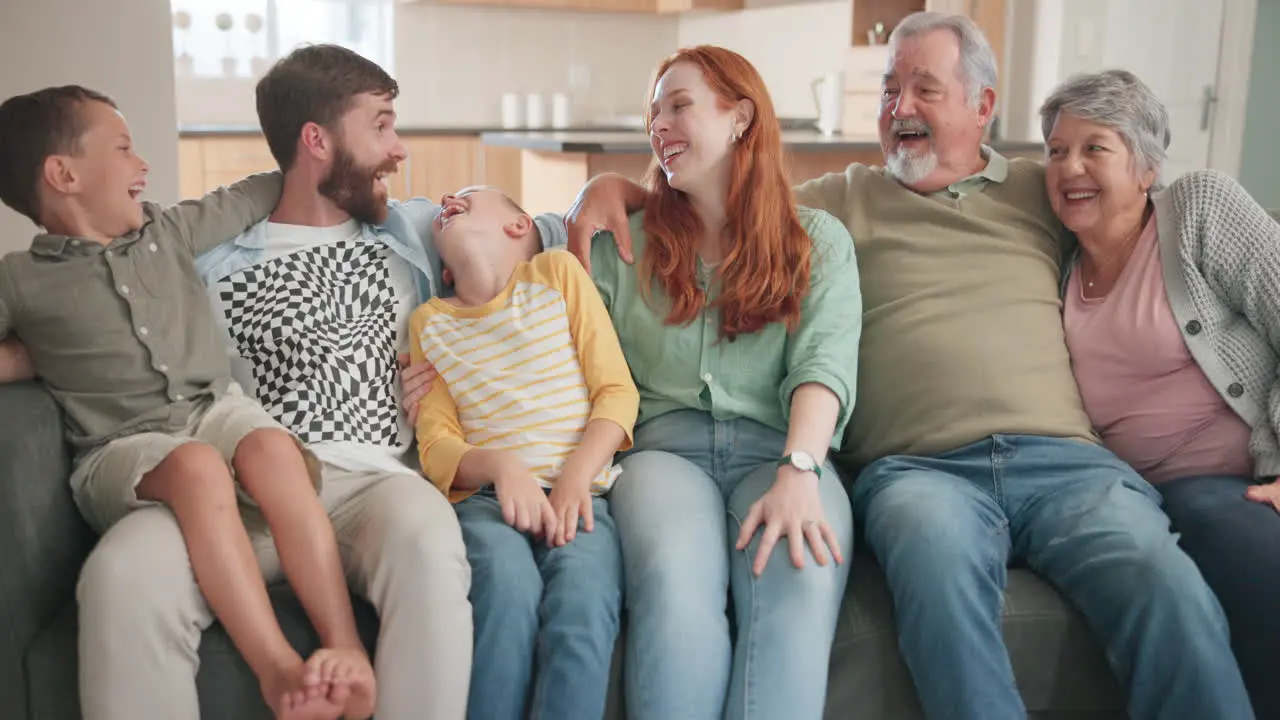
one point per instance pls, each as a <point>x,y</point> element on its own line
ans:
<point>416,380</point>
<point>604,203</point>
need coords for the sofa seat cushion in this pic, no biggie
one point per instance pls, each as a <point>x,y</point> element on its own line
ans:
<point>1059,667</point>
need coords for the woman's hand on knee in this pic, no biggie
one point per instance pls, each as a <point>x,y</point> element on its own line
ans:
<point>792,507</point>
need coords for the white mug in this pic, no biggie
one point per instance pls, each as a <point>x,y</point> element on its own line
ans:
<point>535,112</point>
<point>560,114</point>
<point>511,115</point>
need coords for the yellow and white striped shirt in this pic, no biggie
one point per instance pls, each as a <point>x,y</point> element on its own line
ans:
<point>525,372</point>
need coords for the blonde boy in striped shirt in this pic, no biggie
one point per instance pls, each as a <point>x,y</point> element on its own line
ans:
<point>534,397</point>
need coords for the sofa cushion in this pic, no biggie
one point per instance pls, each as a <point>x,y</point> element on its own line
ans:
<point>1059,667</point>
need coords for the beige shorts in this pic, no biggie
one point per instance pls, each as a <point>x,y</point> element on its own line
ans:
<point>104,483</point>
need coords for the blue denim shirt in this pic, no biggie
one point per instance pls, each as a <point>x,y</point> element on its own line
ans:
<point>409,231</point>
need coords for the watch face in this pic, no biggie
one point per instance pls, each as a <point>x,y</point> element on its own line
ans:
<point>803,461</point>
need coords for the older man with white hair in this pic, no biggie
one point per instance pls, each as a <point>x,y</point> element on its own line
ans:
<point>969,440</point>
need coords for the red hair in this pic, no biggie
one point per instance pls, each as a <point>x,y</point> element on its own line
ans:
<point>765,270</point>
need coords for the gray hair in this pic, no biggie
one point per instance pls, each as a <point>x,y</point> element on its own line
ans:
<point>1116,99</point>
<point>977,61</point>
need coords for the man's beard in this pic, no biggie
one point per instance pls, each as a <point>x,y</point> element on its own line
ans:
<point>911,167</point>
<point>350,187</point>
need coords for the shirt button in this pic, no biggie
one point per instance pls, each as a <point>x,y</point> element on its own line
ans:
<point>108,253</point>
<point>1235,390</point>
<point>179,397</point>
<point>152,247</point>
<point>164,368</point>
<point>706,377</point>
<point>124,289</point>
<point>143,330</point>
<point>1193,327</point>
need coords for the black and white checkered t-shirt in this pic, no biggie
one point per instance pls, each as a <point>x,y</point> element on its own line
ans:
<point>317,327</point>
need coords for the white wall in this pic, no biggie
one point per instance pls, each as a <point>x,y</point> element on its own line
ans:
<point>1033,67</point>
<point>123,49</point>
<point>604,61</point>
<point>791,44</point>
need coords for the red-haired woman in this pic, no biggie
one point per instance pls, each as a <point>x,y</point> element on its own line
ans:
<point>740,319</point>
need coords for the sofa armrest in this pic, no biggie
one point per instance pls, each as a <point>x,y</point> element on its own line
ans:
<point>43,540</point>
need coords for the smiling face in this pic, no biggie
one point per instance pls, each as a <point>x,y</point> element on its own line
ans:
<point>481,222</point>
<point>109,175</point>
<point>1092,176</point>
<point>691,130</point>
<point>929,131</point>
<point>366,150</point>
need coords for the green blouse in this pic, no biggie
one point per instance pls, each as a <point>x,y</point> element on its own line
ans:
<point>691,367</point>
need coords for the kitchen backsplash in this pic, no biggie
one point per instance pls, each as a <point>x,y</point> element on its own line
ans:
<point>454,63</point>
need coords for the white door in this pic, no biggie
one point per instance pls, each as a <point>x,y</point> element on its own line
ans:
<point>1172,45</point>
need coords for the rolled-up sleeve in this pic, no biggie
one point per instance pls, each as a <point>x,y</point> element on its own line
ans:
<point>824,347</point>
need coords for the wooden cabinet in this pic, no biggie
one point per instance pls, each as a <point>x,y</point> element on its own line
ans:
<point>436,164</point>
<point>868,15</point>
<point>205,163</point>
<point>637,6</point>
<point>440,164</point>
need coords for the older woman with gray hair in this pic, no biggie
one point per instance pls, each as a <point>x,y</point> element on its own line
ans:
<point>1172,317</point>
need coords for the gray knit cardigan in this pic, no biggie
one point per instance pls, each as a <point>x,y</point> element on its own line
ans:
<point>1220,252</point>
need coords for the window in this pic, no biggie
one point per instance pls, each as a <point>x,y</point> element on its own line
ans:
<point>241,38</point>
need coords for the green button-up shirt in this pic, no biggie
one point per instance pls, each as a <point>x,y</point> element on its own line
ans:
<point>691,367</point>
<point>122,334</point>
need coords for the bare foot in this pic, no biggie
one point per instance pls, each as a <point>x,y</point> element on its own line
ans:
<point>349,676</point>
<point>298,693</point>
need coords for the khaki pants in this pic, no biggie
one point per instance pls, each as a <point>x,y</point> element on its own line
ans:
<point>142,615</point>
<point>105,481</point>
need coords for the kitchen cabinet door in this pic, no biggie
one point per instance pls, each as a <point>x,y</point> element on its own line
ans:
<point>638,6</point>
<point>439,164</point>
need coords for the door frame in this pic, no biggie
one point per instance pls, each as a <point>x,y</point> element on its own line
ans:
<point>1235,57</point>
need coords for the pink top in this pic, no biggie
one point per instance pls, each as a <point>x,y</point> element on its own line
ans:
<point>1143,391</point>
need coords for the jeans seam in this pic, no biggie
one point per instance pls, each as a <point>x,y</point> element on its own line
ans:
<point>748,688</point>
<point>997,492</point>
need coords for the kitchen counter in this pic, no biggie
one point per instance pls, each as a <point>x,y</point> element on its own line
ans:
<point>604,126</point>
<point>637,142</point>
<point>199,131</point>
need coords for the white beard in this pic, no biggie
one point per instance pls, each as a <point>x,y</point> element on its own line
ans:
<point>910,168</point>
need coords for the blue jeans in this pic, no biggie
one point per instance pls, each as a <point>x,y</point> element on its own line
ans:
<point>679,503</point>
<point>944,529</point>
<point>1236,543</point>
<point>556,608</point>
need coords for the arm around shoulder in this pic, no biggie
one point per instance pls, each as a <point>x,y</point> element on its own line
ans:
<point>224,213</point>
<point>829,192</point>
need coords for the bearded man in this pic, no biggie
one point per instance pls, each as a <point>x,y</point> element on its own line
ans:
<point>315,303</point>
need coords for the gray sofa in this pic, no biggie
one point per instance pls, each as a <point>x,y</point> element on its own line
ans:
<point>1060,668</point>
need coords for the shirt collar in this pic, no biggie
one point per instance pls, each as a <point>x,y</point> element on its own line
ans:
<point>996,171</point>
<point>54,246</point>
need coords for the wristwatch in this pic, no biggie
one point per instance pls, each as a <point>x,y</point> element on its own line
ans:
<point>799,460</point>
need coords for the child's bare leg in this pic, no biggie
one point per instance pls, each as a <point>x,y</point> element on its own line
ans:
<point>271,469</point>
<point>194,482</point>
